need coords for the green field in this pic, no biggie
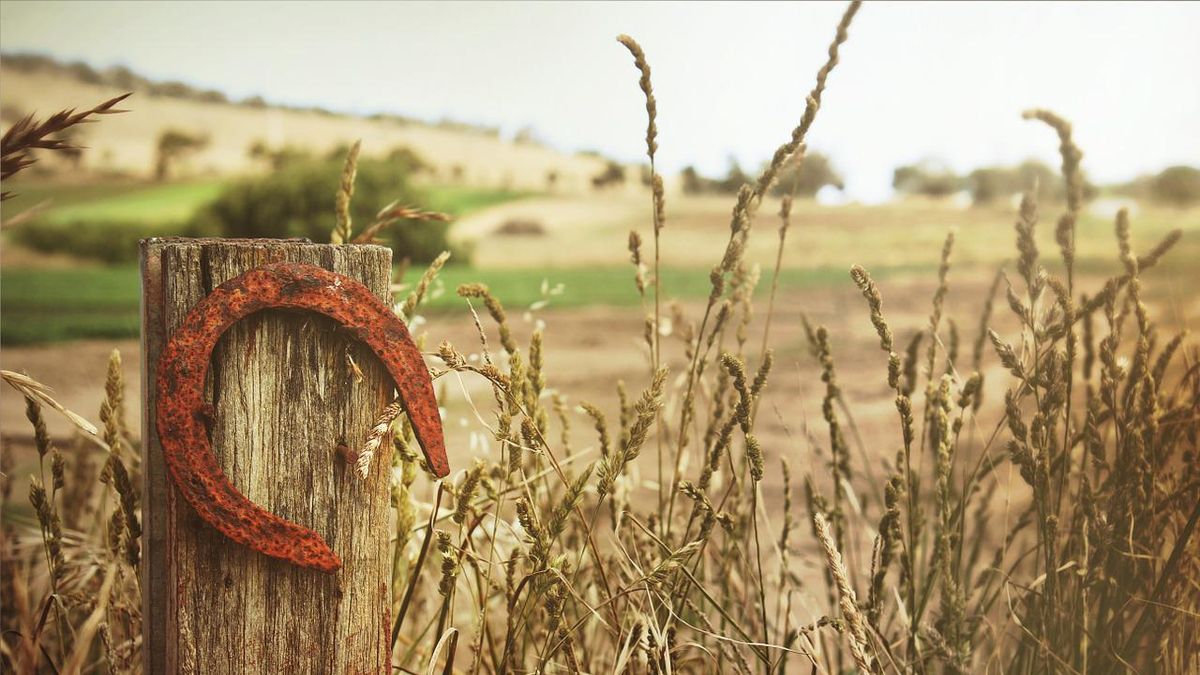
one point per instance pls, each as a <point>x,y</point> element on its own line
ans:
<point>48,305</point>
<point>171,203</point>
<point>103,222</point>
<point>52,304</point>
<point>145,202</point>
<point>459,200</point>
<point>138,202</point>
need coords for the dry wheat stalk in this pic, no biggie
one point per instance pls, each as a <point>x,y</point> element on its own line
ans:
<point>857,634</point>
<point>375,438</point>
<point>31,388</point>
<point>27,135</point>
<point>342,230</point>
<point>394,213</point>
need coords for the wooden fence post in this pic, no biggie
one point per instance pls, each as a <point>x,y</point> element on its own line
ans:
<point>285,395</point>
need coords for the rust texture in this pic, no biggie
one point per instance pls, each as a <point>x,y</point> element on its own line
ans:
<point>181,406</point>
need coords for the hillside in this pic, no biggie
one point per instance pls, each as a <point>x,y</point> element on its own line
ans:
<point>126,143</point>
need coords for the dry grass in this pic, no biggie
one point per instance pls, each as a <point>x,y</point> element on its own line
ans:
<point>1035,510</point>
<point>21,139</point>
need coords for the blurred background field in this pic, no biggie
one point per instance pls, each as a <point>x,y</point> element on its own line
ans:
<point>545,229</point>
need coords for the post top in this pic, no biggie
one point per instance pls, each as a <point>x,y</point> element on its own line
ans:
<point>232,242</point>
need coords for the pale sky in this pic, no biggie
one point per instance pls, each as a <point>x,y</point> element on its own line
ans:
<point>939,80</point>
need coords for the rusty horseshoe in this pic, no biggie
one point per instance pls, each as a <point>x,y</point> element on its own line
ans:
<point>181,406</point>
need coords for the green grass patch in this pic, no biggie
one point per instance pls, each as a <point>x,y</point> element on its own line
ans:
<point>167,203</point>
<point>611,286</point>
<point>49,305</point>
<point>159,204</point>
<point>61,304</point>
<point>155,203</point>
<point>460,200</point>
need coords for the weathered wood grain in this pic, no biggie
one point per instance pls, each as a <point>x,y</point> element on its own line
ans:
<point>285,396</point>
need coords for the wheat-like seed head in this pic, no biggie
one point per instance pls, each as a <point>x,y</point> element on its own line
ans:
<point>875,303</point>
<point>639,60</point>
<point>342,230</point>
<point>28,134</point>
<point>849,603</point>
<point>1073,176</point>
<point>754,455</point>
<point>445,547</point>
<point>601,424</point>
<point>496,309</point>
<point>378,432</point>
<point>418,293</point>
<point>813,104</point>
<point>466,492</point>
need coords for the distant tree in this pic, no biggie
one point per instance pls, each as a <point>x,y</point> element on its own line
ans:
<point>258,150</point>
<point>171,88</point>
<point>734,179</point>
<point>212,96</point>
<point>928,178</point>
<point>693,182</point>
<point>1176,185</point>
<point>526,136</point>
<point>613,174</point>
<point>816,171</point>
<point>174,144</point>
<point>28,62</point>
<point>644,176</point>
<point>992,183</point>
<point>84,73</point>
<point>408,158</point>
<point>122,77</point>
<point>276,158</point>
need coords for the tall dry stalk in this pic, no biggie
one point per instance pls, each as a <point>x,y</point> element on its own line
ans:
<point>27,134</point>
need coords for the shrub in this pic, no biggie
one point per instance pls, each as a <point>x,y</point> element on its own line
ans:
<point>1177,185</point>
<point>405,156</point>
<point>991,183</point>
<point>927,178</point>
<point>277,158</point>
<point>613,174</point>
<point>297,201</point>
<point>735,178</point>
<point>693,182</point>
<point>109,241</point>
<point>813,173</point>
